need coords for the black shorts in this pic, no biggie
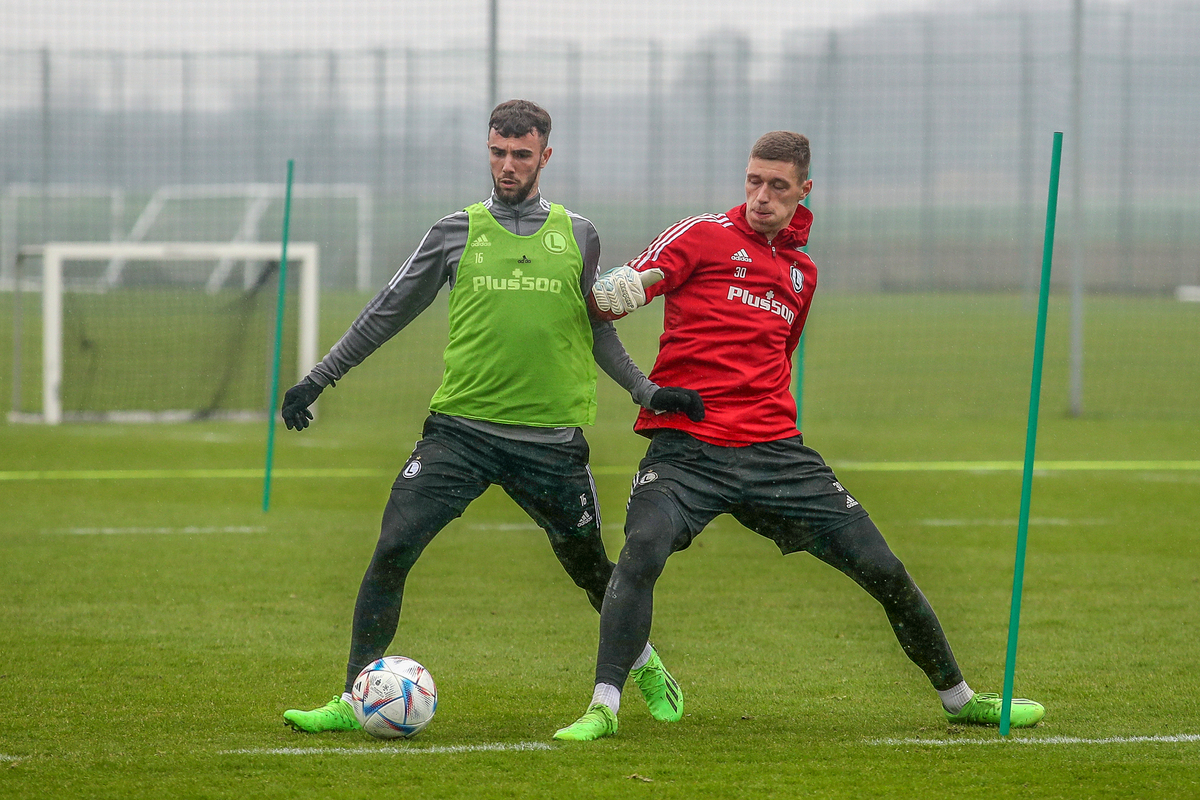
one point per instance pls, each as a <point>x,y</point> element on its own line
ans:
<point>781,490</point>
<point>454,464</point>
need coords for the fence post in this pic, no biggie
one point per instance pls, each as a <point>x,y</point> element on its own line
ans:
<point>1077,220</point>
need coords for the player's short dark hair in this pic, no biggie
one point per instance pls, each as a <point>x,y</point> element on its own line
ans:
<point>784,146</point>
<point>512,119</point>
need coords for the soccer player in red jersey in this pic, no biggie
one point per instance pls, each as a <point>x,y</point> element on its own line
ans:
<point>738,288</point>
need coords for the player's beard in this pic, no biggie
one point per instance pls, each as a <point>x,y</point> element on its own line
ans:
<point>517,194</point>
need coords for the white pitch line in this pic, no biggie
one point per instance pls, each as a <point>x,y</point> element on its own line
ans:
<point>5,757</point>
<point>615,525</point>
<point>189,530</point>
<point>1183,737</point>
<point>504,526</point>
<point>1007,523</point>
<point>388,751</point>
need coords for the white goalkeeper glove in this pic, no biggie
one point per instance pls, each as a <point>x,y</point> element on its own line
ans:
<point>621,290</point>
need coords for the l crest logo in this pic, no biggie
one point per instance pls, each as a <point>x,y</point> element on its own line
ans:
<point>797,278</point>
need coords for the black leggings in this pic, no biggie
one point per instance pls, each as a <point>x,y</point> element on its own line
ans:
<point>858,550</point>
<point>410,522</point>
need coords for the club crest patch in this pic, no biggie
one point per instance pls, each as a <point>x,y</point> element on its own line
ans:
<point>412,468</point>
<point>797,278</point>
<point>554,242</point>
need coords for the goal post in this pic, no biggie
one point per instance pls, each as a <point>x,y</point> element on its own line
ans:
<point>337,214</point>
<point>55,254</point>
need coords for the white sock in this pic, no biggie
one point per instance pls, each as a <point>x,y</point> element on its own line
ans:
<point>609,695</point>
<point>954,698</point>
<point>346,696</point>
<point>644,657</point>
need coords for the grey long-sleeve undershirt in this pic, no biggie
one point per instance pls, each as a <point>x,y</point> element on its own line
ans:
<point>435,262</point>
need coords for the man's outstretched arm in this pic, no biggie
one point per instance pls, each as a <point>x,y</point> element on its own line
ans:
<point>611,356</point>
<point>406,295</point>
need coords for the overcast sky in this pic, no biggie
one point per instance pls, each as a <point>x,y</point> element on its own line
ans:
<point>355,24</point>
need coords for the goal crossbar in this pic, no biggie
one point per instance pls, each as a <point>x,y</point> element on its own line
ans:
<point>54,254</point>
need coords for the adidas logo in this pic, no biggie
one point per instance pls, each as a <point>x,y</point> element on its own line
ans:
<point>585,519</point>
<point>850,502</point>
<point>740,255</point>
<point>481,241</point>
<point>524,260</point>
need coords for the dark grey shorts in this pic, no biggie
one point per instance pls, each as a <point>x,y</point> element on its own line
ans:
<point>453,464</point>
<point>781,490</point>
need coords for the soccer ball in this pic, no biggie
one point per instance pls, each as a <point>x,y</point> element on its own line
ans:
<point>394,698</point>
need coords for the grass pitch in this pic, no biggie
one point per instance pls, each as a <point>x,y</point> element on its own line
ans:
<point>153,628</point>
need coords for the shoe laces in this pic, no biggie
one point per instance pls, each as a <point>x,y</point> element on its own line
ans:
<point>333,708</point>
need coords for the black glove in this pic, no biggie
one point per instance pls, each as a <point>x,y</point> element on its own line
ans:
<point>296,401</point>
<point>673,398</point>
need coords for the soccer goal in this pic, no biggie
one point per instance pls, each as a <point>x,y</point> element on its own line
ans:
<point>160,344</point>
<point>339,215</point>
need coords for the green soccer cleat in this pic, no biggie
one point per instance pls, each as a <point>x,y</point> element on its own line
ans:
<point>986,708</point>
<point>596,723</point>
<point>662,693</point>
<point>336,715</point>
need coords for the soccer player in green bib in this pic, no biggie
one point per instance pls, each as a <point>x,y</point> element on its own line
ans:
<point>519,381</point>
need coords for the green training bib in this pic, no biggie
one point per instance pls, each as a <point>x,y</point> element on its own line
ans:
<point>520,349</point>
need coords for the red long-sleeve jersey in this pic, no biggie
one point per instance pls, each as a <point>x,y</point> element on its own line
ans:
<point>735,308</point>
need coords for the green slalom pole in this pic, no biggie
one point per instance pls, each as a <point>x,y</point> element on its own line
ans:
<point>1035,393</point>
<point>279,306</point>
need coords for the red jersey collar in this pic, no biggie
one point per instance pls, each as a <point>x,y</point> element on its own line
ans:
<point>795,235</point>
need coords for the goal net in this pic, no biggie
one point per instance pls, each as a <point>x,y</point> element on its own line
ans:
<point>161,331</point>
